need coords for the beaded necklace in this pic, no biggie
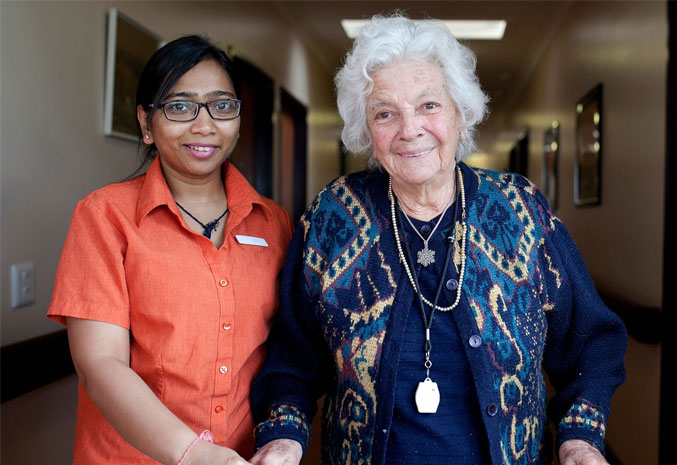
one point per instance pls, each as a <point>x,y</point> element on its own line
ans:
<point>463,241</point>
<point>427,394</point>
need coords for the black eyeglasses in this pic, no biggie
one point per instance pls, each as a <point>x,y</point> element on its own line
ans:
<point>187,110</point>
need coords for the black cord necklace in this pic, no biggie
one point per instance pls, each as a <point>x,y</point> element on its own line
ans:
<point>427,395</point>
<point>427,322</point>
<point>207,228</point>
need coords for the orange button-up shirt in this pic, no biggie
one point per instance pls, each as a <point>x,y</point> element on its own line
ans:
<point>198,316</point>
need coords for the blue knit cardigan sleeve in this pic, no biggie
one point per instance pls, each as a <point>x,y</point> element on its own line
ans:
<point>285,393</point>
<point>585,343</point>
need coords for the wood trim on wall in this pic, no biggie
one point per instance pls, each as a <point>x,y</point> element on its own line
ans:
<point>30,364</point>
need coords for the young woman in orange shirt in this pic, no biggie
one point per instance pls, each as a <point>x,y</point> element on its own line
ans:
<point>168,282</point>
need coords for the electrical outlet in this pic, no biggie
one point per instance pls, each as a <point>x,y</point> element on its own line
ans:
<point>22,276</point>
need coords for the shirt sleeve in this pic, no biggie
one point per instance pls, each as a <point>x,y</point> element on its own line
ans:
<point>298,367</point>
<point>585,342</point>
<point>90,281</point>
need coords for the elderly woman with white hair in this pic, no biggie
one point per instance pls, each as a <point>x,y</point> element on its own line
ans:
<point>425,298</point>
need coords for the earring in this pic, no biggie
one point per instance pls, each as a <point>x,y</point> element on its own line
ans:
<point>147,136</point>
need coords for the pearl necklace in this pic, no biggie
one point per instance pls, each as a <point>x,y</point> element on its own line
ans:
<point>464,241</point>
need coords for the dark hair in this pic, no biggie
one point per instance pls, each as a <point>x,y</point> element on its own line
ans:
<point>163,71</point>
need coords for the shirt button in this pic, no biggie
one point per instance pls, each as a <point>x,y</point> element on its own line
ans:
<point>492,410</point>
<point>425,229</point>
<point>226,325</point>
<point>475,341</point>
<point>452,284</point>
<point>223,370</point>
<point>218,409</point>
<point>223,283</point>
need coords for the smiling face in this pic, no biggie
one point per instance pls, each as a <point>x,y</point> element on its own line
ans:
<point>194,150</point>
<point>414,124</point>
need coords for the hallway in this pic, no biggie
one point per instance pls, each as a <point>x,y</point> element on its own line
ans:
<point>54,152</point>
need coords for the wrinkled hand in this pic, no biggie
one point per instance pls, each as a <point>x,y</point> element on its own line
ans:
<point>279,452</point>
<point>578,452</point>
<point>206,453</point>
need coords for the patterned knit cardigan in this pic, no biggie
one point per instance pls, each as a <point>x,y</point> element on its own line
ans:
<point>526,294</point>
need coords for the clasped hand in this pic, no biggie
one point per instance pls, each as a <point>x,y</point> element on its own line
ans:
<point>578,452</point>
<point>279,452</point>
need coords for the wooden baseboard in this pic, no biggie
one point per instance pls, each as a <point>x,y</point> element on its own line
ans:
<point>30,364</point>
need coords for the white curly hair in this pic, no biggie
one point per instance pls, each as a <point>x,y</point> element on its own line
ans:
<point>393,38</point>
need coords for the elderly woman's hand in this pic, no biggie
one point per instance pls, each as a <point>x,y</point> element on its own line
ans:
<point>578,452</point>
<point>278,452</point>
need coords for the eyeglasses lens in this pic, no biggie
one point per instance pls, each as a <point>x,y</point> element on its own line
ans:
<point>180,111</point>
<point>185,110</point>
<point>224,109</point>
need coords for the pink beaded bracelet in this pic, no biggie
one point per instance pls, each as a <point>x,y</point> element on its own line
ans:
<point>206,435</point>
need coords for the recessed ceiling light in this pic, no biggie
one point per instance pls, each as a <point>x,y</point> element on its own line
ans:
<point>461,28</point>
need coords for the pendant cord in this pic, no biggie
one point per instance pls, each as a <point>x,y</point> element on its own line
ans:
<point>406,260</point>
<point>207,228</point>
<point>427,322</point>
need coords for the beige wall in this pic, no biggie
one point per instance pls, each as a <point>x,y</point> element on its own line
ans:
<point>624,46</point>
<point>52,144</point>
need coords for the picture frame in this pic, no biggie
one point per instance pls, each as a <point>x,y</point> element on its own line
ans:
<point>128,47</point>
<point>589,145</point>
<point>550,165</point>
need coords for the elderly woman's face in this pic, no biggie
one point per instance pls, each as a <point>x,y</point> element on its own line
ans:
<point>413,123</point>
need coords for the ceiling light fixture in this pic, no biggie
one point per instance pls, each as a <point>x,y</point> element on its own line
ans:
<point>461,28</point>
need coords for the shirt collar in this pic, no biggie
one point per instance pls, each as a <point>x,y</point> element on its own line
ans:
<point>242,197</point>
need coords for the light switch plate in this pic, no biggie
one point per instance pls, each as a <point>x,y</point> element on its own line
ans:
<point>22,277</point>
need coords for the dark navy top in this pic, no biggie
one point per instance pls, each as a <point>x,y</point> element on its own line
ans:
<point>454,434</point>
<point>344,308</point>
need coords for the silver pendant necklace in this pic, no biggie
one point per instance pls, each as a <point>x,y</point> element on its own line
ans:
<point>427,395</point>
<point>425,256</point>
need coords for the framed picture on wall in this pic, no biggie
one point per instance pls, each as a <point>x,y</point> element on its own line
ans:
<point>549,177</point>
<point>588,160</point>
<point>128,48</point>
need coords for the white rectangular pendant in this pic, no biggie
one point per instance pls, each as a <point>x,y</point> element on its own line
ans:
<point>427,396</point>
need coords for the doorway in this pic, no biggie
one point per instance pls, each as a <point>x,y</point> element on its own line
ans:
<point>293,155</point>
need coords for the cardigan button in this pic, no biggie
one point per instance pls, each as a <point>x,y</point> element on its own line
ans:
<point>492,410</point>
<point>452,284</point>
<point>425,229</point>
<point>475,341</point>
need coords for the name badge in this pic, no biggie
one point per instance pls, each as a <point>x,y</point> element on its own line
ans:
<point>251,240</point>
